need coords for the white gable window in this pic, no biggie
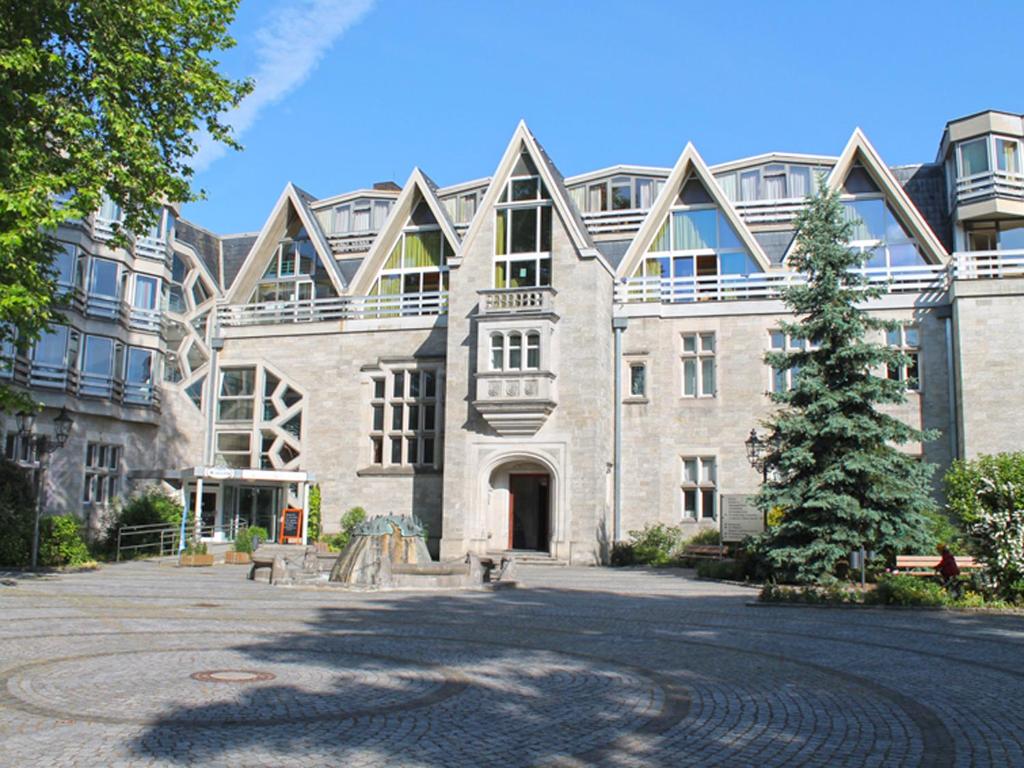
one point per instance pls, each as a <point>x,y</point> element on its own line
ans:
<point>877,230</point>
<point>522,244</point>
<point>294,272</point>
<point>418,263</point>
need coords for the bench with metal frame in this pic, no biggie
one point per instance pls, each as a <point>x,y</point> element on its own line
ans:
<point>925,565</point>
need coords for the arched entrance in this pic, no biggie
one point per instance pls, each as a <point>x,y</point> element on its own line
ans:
<point>520,507</point>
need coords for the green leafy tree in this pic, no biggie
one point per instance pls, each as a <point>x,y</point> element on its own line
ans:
<point>97,95</point>
<point>835,468</point>
<point>314,514</point>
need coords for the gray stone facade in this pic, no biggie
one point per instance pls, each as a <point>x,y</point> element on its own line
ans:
<point>325,366</point>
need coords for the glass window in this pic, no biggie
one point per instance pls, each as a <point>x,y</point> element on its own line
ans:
<point>533,351</point>
<point>515,351</point>
<point>799,181</point>
<point>103,278</point>
<point>140,366</point>
<point>622,189</point>
<point>698,359</point>
<point>974,157</point>
<point>413,413</point>
<point>497,351</point>
<point>1008,155</point>
<point>699,487</point>
<point>147,289</point>
<point>98,356</point>
<point>51,347</point>
<point>65,263</point>
<point>361,217</point>
<point>637,380</point>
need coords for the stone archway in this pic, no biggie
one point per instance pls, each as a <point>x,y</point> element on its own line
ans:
<point>521,506</point>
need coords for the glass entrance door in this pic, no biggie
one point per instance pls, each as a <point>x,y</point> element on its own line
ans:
<point>257,505</point>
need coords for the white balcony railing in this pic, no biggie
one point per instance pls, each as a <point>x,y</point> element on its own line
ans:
<point>767,285</point>
<point>607,222</point>
<point>990,184</point>
<point>103,228</point>
<point>334,309</point>
<point>516,300</point>
<point>980,265</point>
<point>780,211</point>
<point>152,248</point>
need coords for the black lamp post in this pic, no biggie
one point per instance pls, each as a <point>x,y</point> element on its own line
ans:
<point>758,451</point>
<point>42,446</point>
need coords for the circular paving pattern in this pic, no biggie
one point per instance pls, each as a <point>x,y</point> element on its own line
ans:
<point>535,677</point>
<point>232,676</point>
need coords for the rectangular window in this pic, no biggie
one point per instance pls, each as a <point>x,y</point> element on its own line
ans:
<point>906,338</point>
<point>411,401</point>
<point>974,157</point>
<point>102,473</point>
<point>1008,155</point>
<point>699,487</point>
<point>237,394</point>
<point>638,380</point>
<point>783,379</point>
<point>522,240</point>
<point>103,278</point>
<point>698,359</point>
<point>234,449</point>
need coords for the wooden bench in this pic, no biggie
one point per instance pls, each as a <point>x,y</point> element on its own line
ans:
<point>705,551</point>
<point>924,565</point>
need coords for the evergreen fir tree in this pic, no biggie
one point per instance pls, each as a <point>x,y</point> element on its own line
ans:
<point>835,470</point>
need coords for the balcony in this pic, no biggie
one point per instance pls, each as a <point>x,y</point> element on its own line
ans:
<point>781,211</point>
<point>152,248</point>
<point>104,228</point>
<point>625,222</point>
<point>335,308</point>
<point>768,285</point>
<point>515,402</point>
<point>988,265</point>
<point>989,194</point>
<point>517,301</point>
<point>343,244</point>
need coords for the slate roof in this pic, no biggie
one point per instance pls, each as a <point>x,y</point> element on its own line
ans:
<point>925,185</point>
<point>775,243</point>
<point>206,244</point>
<point>234,249</point>
<point>613,250</point>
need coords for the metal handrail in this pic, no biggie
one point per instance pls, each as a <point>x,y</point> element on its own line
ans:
<point>163,540</point>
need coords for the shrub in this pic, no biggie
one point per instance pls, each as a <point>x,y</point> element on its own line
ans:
<point>17,515</point>
<point>623,554</point>
<point>900,589</point>
<point>965,481</point>
<point>313,526</point>
<point>246,537</point>
<point>195,548</point>
<point>706,537</point>
<point>60,541</point>
<point>832,594</point>
<point>150,506</point>
<point>349,521</point>
<point>656,544</point>
<point>731,570</point>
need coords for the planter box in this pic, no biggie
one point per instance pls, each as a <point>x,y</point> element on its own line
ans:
<point>237,558</point>
<point>194,561</point>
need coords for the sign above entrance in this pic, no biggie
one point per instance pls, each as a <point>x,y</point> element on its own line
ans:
<point>219,473</point>
<point>740,518</point>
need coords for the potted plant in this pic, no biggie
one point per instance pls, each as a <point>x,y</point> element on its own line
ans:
<point>246,540</point>
<point>195,555</point>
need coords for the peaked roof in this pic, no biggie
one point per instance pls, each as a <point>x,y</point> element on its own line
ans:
<point>859,148</point>
<point>521,139</point>
<point>253,266</point>
<point>689,163</point>
<point>405,204</point>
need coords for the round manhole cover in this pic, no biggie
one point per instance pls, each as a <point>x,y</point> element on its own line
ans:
<point>232,676</point>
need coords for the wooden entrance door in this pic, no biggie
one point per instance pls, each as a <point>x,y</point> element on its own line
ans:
<point>528,511</point>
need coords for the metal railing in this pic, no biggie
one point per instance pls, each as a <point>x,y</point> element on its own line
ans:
<point>334,308</point>
<point>605,222</point>
<point>990,184</point>
<point>163,540</point>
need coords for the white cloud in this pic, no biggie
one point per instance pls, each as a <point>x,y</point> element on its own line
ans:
<point>288,47</point>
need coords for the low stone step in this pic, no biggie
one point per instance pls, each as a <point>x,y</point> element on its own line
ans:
<point>528,557</point>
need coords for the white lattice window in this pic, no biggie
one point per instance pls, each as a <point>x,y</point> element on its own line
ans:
<point>698,360</point>
<point>907,340</point>
<point>699,487</point>
<point>102,473</point>
<point>405,418</point>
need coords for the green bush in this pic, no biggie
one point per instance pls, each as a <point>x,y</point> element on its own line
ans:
<point>60,541</point>
<point>831,594</point>
<point>656,544</point>
<point>313,526</point>
<point>729,570</point>
<point>900,589</point>
<point>244,538</point>
<point>150,506</point>
<point>349,521</point>
<point>17,515</point>
<point>965,482</point>
<point>705,537</point>
<point>623,554</point>
<point>195,548</point>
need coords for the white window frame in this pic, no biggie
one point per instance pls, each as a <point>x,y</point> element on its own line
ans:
<point>412,403</point>
<point>402,271</point>
<point>702,487</point>
<point>907,340</point>
<point>789,344</point>
<point>698,358</point>
<point>508,259</point>
<point>103,470</point>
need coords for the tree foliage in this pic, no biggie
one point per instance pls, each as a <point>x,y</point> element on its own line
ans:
<point>834,468</point>
<point>97,95</point>
<point>17,511</point>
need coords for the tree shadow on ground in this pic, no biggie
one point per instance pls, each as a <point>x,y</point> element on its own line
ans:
<point>559,676</point>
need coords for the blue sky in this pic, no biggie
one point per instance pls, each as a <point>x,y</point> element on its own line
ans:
<point>350,92</point>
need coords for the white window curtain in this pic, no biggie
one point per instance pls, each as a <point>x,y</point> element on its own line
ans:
<point>748,185</point>
<point>343,219</point>
<point>799,182</point>
<point>728,185</point>
<point>380,212</point>
<point>644,193</point>
<point>361,219</point>
<point>775,186</point>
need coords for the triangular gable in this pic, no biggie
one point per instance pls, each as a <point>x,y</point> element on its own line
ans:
<point>690,164</point>
<point>418,187</point>
<point>858,148</point>
<point>571,219</point>
<point>255,263</point>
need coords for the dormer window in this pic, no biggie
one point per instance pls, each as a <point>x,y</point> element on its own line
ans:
<point>294,272</point>
<point>974,157</point>
<point>360,216</point>
<point>878,230</point>
<point>522,244</point>
<point>980,156</point>
<point>418,263</point>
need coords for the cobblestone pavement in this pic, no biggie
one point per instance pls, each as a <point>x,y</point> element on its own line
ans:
<point>142,664</point>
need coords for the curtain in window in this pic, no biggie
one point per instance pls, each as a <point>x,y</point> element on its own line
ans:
<point>748,185</point>
<point>423,249</point>
<point>390,286</point>
<point>799,182</point>
<point>728,185</point>
<point>644,193</point>
<point>694,230</point>
<point>500,236</point>
<point>775,187</point>
<point>661,240</point>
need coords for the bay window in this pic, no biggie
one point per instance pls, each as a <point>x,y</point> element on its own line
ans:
<point>102,358</point>
<point>139,375</point>
<point>103,278</point>
<point>507,351</point>
<point>973,157</point>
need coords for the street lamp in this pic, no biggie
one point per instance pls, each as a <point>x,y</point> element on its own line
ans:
<point>42,446</point>
<point>758,450</point>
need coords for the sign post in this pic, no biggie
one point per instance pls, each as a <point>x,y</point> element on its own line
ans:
<point>740,518</point>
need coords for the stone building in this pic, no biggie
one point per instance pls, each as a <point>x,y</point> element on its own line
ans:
<point>456,352</point>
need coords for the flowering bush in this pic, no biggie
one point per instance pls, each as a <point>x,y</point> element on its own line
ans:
<point>998,529</point>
